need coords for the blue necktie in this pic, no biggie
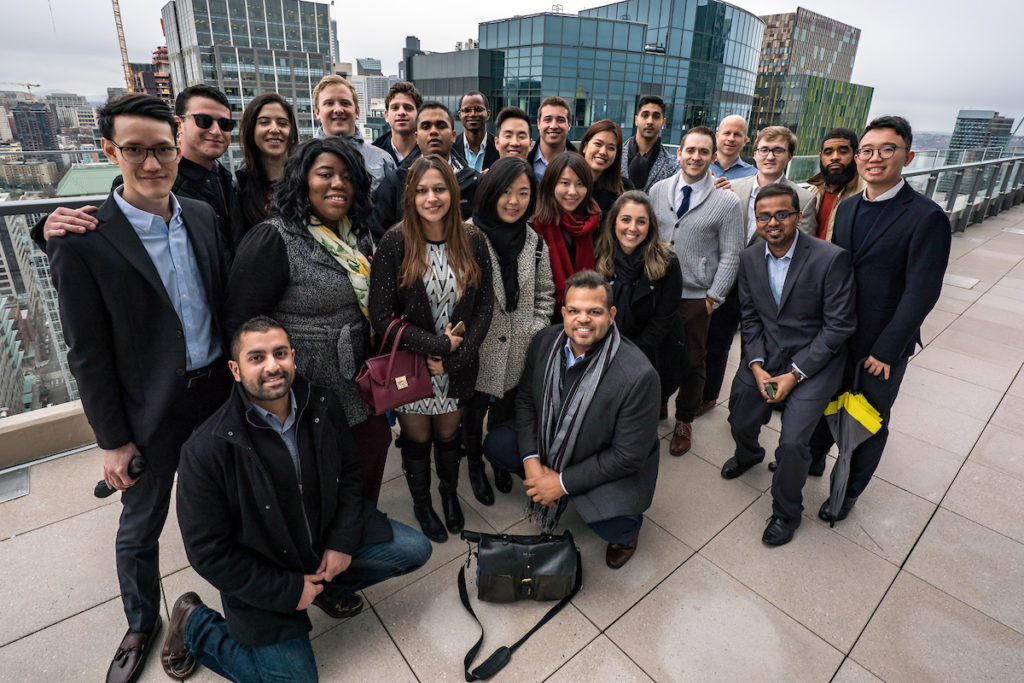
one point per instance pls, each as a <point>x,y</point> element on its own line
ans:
<point>684,205</point>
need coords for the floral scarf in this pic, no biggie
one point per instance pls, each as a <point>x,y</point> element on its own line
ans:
<point>342,247</point>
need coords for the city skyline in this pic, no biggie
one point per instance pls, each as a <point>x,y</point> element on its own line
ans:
<point>915,33</point>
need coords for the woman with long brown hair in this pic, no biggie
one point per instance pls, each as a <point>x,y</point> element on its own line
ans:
<point>268,134</point>
<point>434,272</point>
<point>567,218</point>
<point>601,146</point>
<point>647,284</point>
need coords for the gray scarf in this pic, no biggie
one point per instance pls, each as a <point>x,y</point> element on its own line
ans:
<point>561,419</point>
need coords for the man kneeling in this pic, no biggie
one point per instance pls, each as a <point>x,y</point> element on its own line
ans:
<point>586,421</point>
<point>272,514</point>
<point>796,305</point>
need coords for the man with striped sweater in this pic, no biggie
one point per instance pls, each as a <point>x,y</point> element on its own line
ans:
<point>704,224</point>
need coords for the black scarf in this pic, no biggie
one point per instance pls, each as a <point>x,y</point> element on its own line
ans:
<point>640,164</point>
<point>508,240</point>
<point>628,268</point>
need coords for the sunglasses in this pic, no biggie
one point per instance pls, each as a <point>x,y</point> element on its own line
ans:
<point>204,121</point>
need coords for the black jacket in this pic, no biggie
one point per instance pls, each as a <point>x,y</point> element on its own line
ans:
<point>490,149</point>
<point>125,341</point>
<point>242,526</point>
<point>898,272</point>
<point>387,208</point>
<point>474,308</point>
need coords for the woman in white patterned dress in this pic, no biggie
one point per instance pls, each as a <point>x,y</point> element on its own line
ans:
<point>434,272</point>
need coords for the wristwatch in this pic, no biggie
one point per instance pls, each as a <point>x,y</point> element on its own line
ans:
<point>800,377</point>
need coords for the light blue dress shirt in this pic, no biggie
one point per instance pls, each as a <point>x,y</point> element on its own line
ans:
<point>476,161</point>
<point>740,169</point>
<point>540,164</point>
<point>285,429</point>
<point>170,250</point>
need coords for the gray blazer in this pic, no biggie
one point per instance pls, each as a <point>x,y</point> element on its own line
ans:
<point>664,166</point>
<point>503,351</point>
<point>707,239</point>
<point>809,329</point>
<point>614,464</point>
<point>808,206</point>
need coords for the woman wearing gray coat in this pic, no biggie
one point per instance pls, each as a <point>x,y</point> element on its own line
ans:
<point>523,302</point>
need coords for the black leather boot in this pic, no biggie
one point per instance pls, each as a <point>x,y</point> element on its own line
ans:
<point>416,464</point>
<point>477,475</point>
<point>446,460</point>
<point>502,480</point>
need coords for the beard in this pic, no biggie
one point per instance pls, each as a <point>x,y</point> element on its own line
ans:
<point>840,178</point>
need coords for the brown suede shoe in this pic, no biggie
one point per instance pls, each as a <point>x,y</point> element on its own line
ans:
<point>704,407</point>
<point>131,654</point>
<point>681,438</point>
<point>617,555</point>
<point>177,661</point>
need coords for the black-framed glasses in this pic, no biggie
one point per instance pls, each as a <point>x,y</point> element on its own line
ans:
<point>884,152</point>
<point>204,121</point>
<point>134,154</point>
<point>474,109</point>
<point>771,151</point>
<point>780,216</point>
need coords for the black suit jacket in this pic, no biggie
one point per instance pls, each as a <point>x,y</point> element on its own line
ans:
<point>898,272</point>
<point>814,318</point>
<point>490,150</point>
<point>125,341</point>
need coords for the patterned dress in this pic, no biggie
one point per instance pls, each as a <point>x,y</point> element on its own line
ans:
<point>442,294</point>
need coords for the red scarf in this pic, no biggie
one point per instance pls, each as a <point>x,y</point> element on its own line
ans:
<point>582,232</point>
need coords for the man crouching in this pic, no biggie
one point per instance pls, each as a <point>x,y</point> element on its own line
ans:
<point>271,513</point>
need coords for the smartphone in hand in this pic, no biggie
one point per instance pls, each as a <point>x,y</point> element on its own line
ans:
<point>459,329</point>
<point>770,388</point>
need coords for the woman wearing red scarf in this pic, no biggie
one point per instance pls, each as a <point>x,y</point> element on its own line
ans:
<point>567,218</point>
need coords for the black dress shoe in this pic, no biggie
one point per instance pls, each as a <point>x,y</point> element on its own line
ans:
<point>733,468</point>
<point>780,531</point>
<point>478,482</point>
<point>131,655</point>
<point>825,512</point>
<point>177,661</point>
<point>339,608</point>
<point>502,480</point>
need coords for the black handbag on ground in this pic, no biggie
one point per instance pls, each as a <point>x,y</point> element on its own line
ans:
<point>511,568</point>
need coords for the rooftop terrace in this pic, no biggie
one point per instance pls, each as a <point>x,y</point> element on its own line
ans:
<point>921,582</point>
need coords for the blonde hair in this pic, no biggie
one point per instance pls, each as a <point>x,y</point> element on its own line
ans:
<point>329,80</point>
<point>776,132</point>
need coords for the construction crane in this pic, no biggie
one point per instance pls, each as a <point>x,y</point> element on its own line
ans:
<point>129,81</point>
<point>27,86</point>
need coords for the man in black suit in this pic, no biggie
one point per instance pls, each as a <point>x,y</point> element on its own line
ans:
<point>139,301</point>
<point>797,311</point>
<point>586,425</point>
<point>899,241</point>
<point>475,143</point>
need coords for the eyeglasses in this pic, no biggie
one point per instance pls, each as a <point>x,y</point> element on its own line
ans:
<point>204,121</point>
<point>780,216</point>
<point>771,151</point>
<point>475,109</point>
<point>137,155</point>
<point>884,152</point>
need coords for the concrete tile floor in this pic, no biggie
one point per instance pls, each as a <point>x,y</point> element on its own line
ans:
<point>921,582</point>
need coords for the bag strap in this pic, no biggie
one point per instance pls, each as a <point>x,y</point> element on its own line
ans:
<point>394,350</point>
<point>384,339</point>
<point>503,655</point>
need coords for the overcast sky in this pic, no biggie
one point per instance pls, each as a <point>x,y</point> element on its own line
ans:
<point>925,58</point>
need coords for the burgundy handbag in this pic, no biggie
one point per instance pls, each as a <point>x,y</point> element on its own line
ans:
<point>387,381</point>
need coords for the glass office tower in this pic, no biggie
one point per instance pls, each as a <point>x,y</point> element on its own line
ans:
<point>247,47</point>
<point>701,56</point>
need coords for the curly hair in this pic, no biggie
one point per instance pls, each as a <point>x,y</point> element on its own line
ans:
<point>291,201</point>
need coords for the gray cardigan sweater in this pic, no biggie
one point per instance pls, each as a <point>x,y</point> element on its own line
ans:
<point>707,240</point>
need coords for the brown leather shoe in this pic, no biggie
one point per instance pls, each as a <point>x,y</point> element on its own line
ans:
<point>617,555</point>
<point>681,438</point>
<point>131,655</point>
<point>339,608</point>
<point>704,407</point>
<point>177,661</point>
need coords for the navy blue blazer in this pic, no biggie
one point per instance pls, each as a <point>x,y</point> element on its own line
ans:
<point>814,318</point>
<point>897,270</point>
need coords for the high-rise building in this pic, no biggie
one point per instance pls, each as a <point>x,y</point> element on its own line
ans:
<point>980,128</point>
<point>11,357</point>
<point>154,78</point>
<point>114,94</point>
<point>368,66</point>
<point>64,106</point>
<point>700,57</point>
<point>803,78</point>
<point>412,47</point>
<point>335,48</point>
<point>245,49</point>
<point>6,129</point>
<point>35,126</point>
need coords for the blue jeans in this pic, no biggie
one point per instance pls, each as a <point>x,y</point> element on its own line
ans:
<point>206,633</point>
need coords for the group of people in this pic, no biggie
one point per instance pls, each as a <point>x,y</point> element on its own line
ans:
<point>216,326</point>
